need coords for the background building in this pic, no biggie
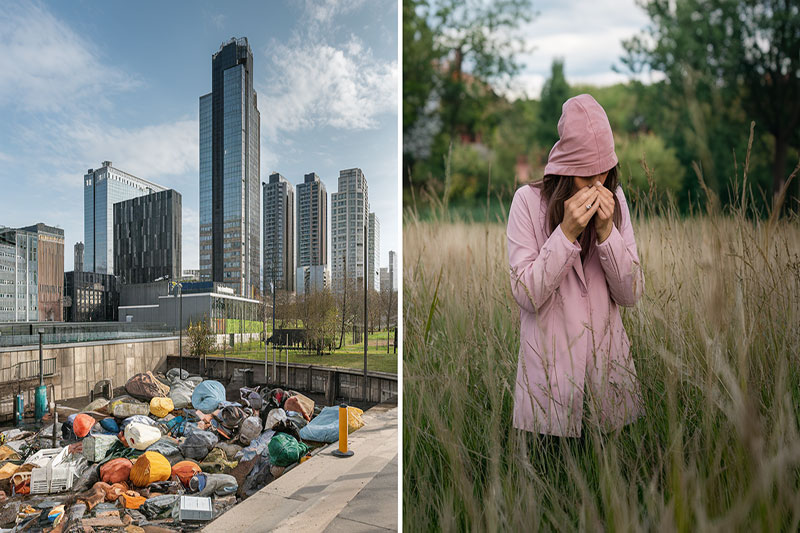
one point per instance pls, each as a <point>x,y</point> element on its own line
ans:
<point>312,222</point>
<point>19,290</point>
<point>279,233</point>
<point>312,278</point>
<point>191,275</point>
<point>102,188</point>
<point>374,252</point>
<point>50,271</point>
<point>147,237</point>
<point>349,213</point>
<point>31,274</point>
<point>78,259</point>
<point>229,172</point>
<point>92,297</point>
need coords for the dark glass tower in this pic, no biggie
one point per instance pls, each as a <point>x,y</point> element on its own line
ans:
<point>229,172</point>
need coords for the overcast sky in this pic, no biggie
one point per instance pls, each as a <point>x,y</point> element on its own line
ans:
<point>587,34</point>
<point>83,82</point>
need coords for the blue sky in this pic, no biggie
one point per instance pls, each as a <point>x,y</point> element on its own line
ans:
<point>84,82</point>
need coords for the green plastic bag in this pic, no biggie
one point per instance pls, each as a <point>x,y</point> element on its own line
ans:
<point>285,450</point>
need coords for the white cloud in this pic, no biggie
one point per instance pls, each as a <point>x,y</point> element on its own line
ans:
<point>316,84</point>
<point>587,34</point>
<point>46,66</point>
<point>325,10</point>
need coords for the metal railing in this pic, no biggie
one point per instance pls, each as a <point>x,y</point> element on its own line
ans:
<point>27,370</point>
<point>67,332</point>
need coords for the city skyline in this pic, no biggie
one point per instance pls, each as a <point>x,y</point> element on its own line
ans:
<point>140,109</point>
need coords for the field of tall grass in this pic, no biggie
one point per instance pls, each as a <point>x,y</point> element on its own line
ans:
<point>716,343</point>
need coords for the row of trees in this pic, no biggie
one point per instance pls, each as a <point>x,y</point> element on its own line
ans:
<point>724,63</point>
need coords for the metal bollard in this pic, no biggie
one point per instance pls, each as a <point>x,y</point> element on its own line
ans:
<point>343,451</point>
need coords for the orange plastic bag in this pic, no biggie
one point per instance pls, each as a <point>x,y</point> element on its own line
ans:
<point>150,467</point>
<point>116,470</point>
<point>132,500</point>
<point>82,425</point>
<point>185,470</point>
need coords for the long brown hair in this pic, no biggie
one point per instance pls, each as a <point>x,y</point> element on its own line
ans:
<point>558,189</point>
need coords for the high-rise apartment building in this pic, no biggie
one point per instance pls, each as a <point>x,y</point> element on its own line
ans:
<point>374,252</point>
<point>388,274</point>
<point>312,278</point>
<point>31,274</point>
<point>78,258</point>
<point>102,188</point>
<point>349,217</point>
<point>147,237</point>
<point>279,233</point>
<point>230,240</point>
<point>312,222</point>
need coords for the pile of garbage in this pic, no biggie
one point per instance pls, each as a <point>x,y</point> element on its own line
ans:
<point>172,452</point>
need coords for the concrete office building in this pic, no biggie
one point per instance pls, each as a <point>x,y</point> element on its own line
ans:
<point>78,257</point>
<point>230,200</point>
<point>279,233</point>
<point>312,278</point>
<point>312,223</point>
<point>389,274</point>
<point>147,237</point>
<point>349,216</point>
<point>374,252</point>
<point>102,188</point>
<point>92,297</point>
<point>31,274</point>
<point>191,275</point>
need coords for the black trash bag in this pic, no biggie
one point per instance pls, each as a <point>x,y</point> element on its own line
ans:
<point>230,418</point>
<point>198,444</point>
<point>251,398</point>
<point>87,479</point>
<point>175,374</point>
<point>288,427</point>
<point>159,506</point>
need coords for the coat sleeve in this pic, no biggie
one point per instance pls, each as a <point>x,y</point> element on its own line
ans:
<point>620,260</point>
<point>535,271</point>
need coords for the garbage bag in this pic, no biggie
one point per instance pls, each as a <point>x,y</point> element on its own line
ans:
<point>116,470</point>
<point>132,500</point>
<point>87,479</point>
<point>258,446</point>
<point>141,436</point>
<point>301,404</point>
<point>126,406</point>
<point>139,419</point>
<point>213,484</point>
<point>275,417</point>
<point>208,395</point>
<point>96,405</point>
<point>145,386</point>
<point>176,426</point>
<point>96,447</point>
<point>216,462</point>
<point>230,449</point>
<point>297,419</point>
<point>285,450</point>
<point>161,407</point>
<point>184,471</point>
<point>167,447</point>
<point>110,425</point>
<point>159,506</point>
<point>325,427</point>
<point>176,374</point>
<point>149,468</point>
<point>198,444</point>
<point>258,477</point>
<point>66,428</point>
<point>251,398</point>
<point>250,429</point>
<point>181,393</point>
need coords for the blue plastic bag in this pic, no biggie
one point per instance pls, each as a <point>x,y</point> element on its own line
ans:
<point>208,395</point>
<point>324,427</point>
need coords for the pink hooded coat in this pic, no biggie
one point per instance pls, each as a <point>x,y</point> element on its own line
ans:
<point>572,340</point>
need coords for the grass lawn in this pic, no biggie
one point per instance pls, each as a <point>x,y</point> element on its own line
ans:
<point>350,356</point>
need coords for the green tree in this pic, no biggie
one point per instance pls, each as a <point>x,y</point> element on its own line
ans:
<point>554,93</point>
<point>722,56</point>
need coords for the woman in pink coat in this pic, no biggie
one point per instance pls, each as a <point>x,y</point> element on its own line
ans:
<point>573,262</point>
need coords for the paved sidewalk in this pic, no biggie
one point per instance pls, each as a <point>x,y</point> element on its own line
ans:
<point>327,493</point>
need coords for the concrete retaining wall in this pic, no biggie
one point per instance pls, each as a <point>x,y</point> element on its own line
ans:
<point>79,366</point>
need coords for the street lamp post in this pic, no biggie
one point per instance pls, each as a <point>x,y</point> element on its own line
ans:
<point>40,404</point>
<point>366,288</point>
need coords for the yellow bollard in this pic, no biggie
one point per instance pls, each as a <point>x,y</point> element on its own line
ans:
<point>343,451</point>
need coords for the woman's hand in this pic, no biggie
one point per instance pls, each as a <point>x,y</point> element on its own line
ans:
<point>576,214</point>
<point>604,221</point>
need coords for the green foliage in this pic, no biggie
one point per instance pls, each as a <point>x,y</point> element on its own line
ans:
<point>666,170</point>
<point>554,93</point>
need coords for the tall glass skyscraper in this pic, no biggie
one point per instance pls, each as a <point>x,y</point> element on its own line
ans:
<point>230,240</point>
<point>102,188</point>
